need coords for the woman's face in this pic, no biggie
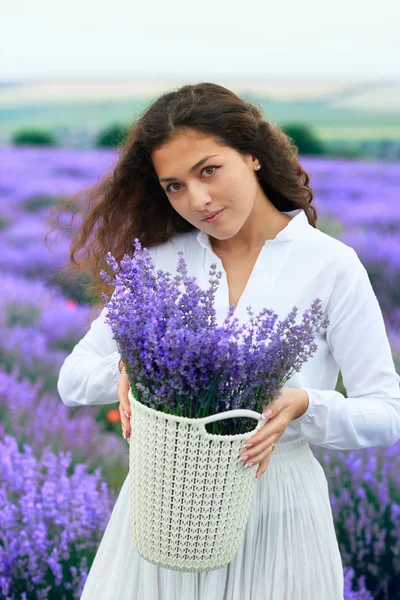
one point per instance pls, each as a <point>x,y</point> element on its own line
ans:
<point>204,177</point>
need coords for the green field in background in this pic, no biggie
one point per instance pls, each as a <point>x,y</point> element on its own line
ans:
<point>330,123</point>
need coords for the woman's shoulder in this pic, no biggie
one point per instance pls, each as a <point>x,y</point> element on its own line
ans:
<point>319,246</point>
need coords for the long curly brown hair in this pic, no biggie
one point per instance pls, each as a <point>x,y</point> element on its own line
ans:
<point>130,203</point>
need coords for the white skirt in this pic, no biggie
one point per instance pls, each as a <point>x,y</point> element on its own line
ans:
<point>289,550</point>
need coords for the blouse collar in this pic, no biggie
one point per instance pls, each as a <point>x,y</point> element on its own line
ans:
<point>295,227</point>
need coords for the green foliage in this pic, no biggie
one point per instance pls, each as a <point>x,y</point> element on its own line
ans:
<point>112,136</point>
<point>23,314</point>
<point>340,385</point>
<point>32,136</point>
<point>4,223</point>
<point>40,201</point>
<point>74,287</point>
<point>305,138</point>
<point>34,369</point>
<point>330,225</point>
<point>345,149</point>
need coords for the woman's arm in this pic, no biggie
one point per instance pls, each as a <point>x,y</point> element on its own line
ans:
<point>357,338</point>
<point>89,375</point>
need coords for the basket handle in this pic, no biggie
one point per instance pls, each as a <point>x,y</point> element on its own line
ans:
<point>230,414</point>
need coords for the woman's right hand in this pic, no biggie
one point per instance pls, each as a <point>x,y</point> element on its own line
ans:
<point>124,405</point>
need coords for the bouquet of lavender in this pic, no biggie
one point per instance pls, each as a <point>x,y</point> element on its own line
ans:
<point>180,361</point>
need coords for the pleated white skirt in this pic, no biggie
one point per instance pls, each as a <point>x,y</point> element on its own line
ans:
<point>289,550</point>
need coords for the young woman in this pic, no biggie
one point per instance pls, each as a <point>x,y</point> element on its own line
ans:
<point>201,171</point>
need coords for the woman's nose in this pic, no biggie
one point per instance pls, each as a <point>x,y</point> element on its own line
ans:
<point>199,197</point>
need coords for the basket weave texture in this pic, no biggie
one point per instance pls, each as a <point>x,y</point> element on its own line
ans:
<point>190,496</point>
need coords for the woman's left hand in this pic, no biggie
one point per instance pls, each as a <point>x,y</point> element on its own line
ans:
<point>290,404</point>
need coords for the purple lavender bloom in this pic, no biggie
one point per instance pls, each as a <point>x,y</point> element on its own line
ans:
<point>364,489</point>
<point>361,593</point>
<point>20,399</point>
<point>180,360</point>
<point>38,326</point>
<point>52,520</point>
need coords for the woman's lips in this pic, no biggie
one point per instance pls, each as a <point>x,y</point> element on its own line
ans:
<point>215,217</point>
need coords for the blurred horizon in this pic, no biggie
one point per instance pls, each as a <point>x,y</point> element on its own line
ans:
<point>350,118</point>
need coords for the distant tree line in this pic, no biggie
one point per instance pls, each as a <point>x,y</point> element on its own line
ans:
<point>113,136</point>
<point>303,135</point>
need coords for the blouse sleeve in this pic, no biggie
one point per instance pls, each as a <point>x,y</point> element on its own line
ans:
<point>89,375</point>
<point>370,415</point>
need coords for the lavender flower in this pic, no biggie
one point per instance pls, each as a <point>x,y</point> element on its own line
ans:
<point>349,594</point>
<point>77,432</point>
<point>52,522</point>
<point>180,360</point>
<point>364,487</point>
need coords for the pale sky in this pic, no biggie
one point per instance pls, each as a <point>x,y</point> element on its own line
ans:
<point>355,39</point>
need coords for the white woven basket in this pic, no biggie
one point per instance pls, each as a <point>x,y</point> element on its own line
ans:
<point>190,496</point>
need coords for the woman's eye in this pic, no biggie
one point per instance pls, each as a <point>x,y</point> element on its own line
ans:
<point>204,169</point>
<point>168,186</point>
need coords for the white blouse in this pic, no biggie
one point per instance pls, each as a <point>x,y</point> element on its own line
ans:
<point>299,265</point>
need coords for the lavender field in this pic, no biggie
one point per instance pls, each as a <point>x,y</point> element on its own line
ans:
<point>61,468</point>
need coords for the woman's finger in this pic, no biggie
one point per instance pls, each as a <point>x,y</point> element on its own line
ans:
<point>262,467</point>
<point>124,405</point>
<point>269,433</point>
<point>254,455</point>
<point>274,425</point>
<point>125,424</point>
